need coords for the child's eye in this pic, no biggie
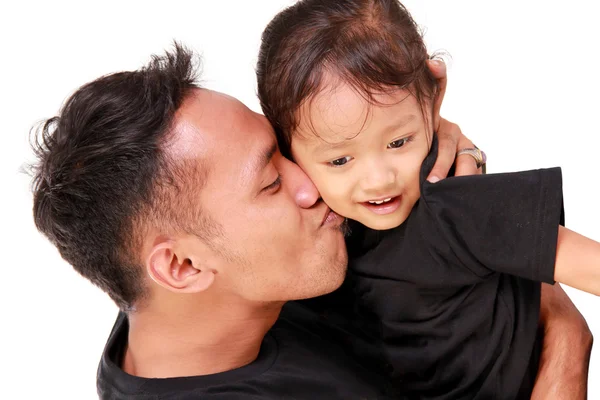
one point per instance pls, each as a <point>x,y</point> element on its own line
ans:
<point>340,161</point>
<point>396,144</point>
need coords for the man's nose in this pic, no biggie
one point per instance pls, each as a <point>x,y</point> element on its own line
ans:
<point>301,187</point>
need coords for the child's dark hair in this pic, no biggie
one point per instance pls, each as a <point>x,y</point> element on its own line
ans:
<point>373,45</point>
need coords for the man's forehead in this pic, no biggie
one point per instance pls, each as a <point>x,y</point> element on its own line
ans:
<point>209,120</point>
<point>219,130</point>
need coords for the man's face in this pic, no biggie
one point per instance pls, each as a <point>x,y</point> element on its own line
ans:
<point>277,240</point>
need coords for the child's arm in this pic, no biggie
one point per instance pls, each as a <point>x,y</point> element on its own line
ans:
<point>577,261</point>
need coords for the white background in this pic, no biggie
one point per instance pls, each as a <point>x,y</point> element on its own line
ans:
<point>523,85</point>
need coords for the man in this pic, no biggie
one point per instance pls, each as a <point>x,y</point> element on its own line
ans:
<point>176,201</point>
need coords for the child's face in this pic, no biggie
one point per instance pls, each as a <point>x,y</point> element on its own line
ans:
<point>364,154</point>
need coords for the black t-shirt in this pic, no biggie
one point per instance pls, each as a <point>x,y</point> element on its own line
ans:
<point>298,360</point>
<point>448,302</point>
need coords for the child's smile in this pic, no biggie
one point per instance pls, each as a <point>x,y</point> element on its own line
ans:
<point>385,206</point>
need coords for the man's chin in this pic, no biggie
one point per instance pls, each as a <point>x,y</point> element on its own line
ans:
<point>344,227</point>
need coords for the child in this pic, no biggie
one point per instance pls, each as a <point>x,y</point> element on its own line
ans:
<point>445,277</point>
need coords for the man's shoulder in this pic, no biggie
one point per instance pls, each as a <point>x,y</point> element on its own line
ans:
<point>297,360</point>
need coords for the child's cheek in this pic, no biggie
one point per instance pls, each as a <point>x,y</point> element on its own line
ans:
<point>335,195</point>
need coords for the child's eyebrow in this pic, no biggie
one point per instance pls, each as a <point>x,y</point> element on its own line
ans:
<point>394,124</point>
<point>400,122</point>
<point>326,146</point>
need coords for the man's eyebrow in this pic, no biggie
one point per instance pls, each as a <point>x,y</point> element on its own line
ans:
<point>265,157</point>
<point>251,171</point>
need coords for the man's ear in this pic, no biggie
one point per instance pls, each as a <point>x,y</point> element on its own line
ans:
<point>169,267</point>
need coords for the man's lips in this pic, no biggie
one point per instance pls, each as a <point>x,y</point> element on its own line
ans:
<point>330,217</point>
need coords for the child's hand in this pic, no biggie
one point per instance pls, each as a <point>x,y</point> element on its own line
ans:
<point>450,137</point>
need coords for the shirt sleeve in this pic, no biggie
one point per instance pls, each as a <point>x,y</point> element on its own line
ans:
<point>505,223</point>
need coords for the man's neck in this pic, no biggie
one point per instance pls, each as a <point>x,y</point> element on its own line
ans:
<point>179,340</point>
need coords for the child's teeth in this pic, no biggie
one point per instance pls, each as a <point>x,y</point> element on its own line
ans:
<point>380,201</point>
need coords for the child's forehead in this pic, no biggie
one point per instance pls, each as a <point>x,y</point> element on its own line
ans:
<point>340,113</point>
